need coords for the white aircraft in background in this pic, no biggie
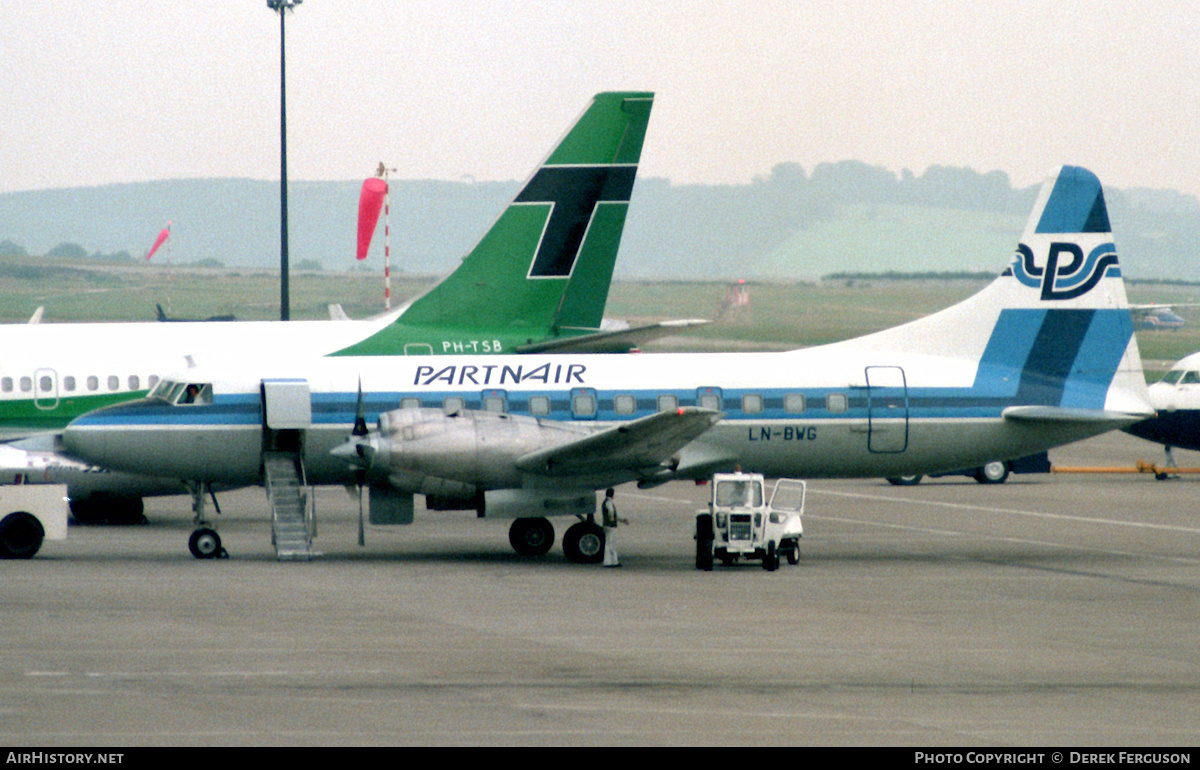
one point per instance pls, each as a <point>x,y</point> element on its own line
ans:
<point>538,280</point>
<point>1176,397</point>
<point>1043,356</point>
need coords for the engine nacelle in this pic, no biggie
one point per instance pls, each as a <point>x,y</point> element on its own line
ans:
<point>430,452</point>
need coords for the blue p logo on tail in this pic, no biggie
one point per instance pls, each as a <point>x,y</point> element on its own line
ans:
<point>1074,278</point>
<point>1061,268</point>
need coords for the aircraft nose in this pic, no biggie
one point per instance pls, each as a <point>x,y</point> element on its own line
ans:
<point>84,441</point>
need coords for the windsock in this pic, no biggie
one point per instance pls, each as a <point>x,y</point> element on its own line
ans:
<point>166,231</point>
<point>370,201</point>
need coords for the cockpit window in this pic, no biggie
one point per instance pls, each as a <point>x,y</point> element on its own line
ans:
<point>1172,376</point>
<point>195,393</point>
<point>162,390</point>
<point>183,392</point>
<point>1190,378</point>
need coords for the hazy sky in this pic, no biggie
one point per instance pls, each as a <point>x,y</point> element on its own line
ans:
<point>137,90</point>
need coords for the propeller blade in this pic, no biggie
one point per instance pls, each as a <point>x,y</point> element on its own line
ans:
<point>360,419</point>
<point>362,540</point>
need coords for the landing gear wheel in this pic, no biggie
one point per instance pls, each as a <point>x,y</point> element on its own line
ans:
<point>771,560</point>
<point>531,537</point>
<point>704,541</point>
<point>793,553</point>
<point>21,536</point>
<point>205,543</point>
<point>994,472</point>
<point>904,481</point>
<point>583,543</point>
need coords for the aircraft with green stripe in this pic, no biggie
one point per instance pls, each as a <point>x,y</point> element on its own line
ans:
<point>537,281</point>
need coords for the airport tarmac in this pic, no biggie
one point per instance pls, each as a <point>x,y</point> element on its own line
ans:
<point>1053,610</point>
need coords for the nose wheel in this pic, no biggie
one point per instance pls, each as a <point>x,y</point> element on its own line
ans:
<point>205,543</point>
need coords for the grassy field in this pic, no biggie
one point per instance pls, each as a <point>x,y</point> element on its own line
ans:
<point>779,316</point>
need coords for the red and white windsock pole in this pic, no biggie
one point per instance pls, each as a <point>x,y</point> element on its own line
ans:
<point>374,195</point>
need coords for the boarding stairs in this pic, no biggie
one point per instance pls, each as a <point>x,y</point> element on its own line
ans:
<point>292,522</point>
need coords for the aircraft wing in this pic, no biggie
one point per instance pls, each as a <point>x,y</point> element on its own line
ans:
<point>615,341</point>
<point>641,444</point>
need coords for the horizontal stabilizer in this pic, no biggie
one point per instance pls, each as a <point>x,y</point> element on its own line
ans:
<point>643,443</point>
<point>616,341</point>
<point>1061,415</point>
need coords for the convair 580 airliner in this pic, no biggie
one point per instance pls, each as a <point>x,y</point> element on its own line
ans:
<point>1043,356</point>
<point>538,280</point>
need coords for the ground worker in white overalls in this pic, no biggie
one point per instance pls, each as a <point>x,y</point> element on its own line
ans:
<point>608,511</point>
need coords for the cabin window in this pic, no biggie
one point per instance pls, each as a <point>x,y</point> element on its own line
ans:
<point>752,403</point>
<point>135,382</point>
<point>836,402</point>
<point>93,382</point>
<point>6,384</point>
<point>412,402</point>
<point>26,384</point>
<point>624,404</point>
<point>114,382</point>
<point>583,405</point>
<point>539,406</point>
<point>1190,378</point>
<point>453,404</point>
<point>68,383</point>
<point>151,381</point>
<point>710,401</point>
<point>494,404</point>
<point>793,403</point>
<point>668,403</point>
<point>45,383</point>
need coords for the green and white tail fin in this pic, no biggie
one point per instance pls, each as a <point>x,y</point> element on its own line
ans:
<point>547,261</point>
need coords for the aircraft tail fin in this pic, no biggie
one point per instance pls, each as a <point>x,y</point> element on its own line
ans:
<point>1054,329</point>
<point>547,261</point>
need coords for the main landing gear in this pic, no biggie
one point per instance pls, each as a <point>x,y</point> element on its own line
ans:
<point>204,543</point>
<point>583,542</point>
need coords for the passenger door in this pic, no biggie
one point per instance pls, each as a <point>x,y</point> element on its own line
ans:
<point>887,409</point>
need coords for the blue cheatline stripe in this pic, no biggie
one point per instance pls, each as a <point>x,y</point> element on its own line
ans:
<point>1076,205</point>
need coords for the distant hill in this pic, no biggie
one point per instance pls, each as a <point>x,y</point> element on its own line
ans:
<point>791,224</point>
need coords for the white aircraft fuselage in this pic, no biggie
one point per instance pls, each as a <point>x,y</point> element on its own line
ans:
<point>1043,356</point>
